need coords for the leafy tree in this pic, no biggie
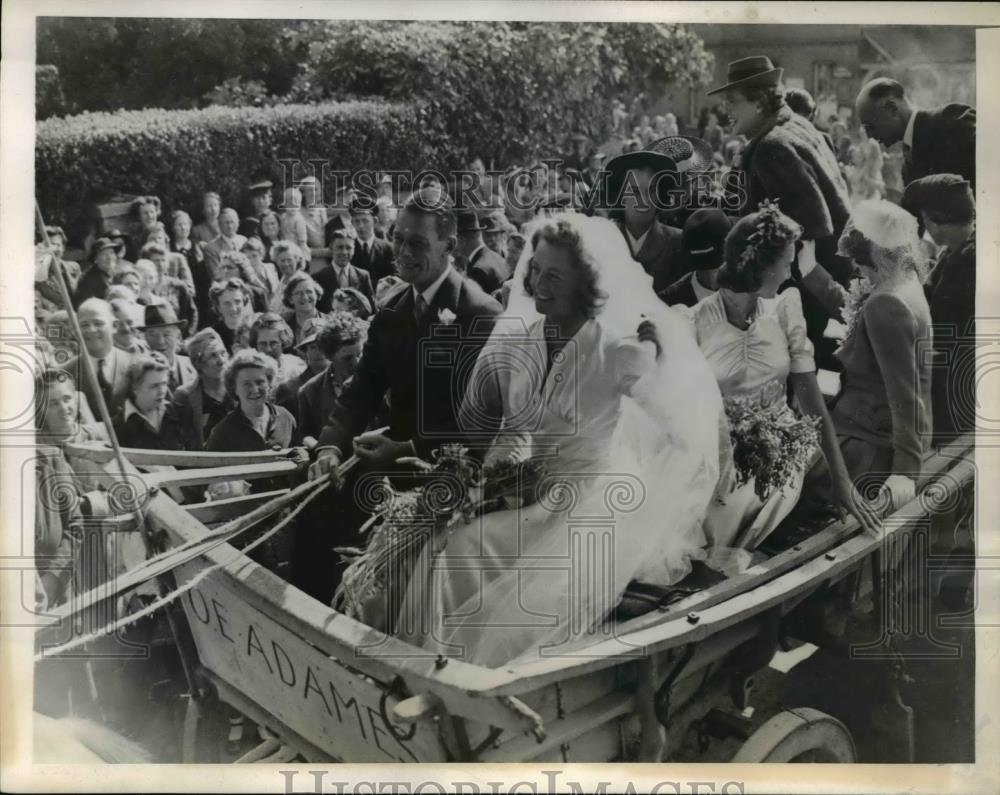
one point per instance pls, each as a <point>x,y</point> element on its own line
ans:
<point>505,90</point>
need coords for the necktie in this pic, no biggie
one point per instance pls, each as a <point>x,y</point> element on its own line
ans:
<point>342,277</point>
<point>102,380</point>
<point>365,252</point>
<point>420,308</point>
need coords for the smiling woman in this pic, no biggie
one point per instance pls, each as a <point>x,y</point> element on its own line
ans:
<point>256,423</point>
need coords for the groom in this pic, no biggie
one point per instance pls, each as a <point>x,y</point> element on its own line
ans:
<point>425,391</point>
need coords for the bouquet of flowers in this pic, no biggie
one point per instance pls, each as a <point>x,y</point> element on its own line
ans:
<point>770,445</point>
<point>454,489</point>
<point>859,292</point>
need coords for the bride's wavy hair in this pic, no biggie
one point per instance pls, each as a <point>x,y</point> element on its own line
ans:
<point>753,245</point>
<point>565,234</point>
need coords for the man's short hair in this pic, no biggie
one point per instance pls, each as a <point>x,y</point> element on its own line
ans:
<point>98,305</point>
<point>433,201</point>
<point>884,88</point>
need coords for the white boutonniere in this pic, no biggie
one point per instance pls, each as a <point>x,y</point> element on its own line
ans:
<point>446,317</point>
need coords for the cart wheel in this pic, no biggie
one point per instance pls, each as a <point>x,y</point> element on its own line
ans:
<point>799,735</point>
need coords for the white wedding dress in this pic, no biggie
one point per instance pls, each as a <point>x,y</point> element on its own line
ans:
<point>632,450</point>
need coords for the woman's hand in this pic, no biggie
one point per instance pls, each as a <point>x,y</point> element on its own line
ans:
<point>897,490</point>
<point>647,333</point>
<point>852,501</point>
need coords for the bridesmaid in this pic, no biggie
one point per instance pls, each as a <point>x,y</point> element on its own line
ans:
<point>883,410</point>
<point>755,341</point>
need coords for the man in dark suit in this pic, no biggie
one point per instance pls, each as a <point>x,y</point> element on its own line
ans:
<point>787,160</point>
<point>397,359</point>
<point>945,205</point>
<point>632,180</point>
<point>704,239</point>
<point>341,273</point>
<point>481,264</point>
<point>939,141</point>
<point>97,323</point>
<point>370,254</point>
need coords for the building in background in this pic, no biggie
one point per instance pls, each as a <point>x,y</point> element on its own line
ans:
<point>936,64</point>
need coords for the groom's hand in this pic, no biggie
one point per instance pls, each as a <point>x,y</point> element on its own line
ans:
<point>327,461</point>
<point>374,448</point>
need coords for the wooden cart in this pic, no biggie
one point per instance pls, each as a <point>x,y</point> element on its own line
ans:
<point>331,688</point>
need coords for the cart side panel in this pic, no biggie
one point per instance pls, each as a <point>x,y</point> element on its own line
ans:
<point>332,706</point>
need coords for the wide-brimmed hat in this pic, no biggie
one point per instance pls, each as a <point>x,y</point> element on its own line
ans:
<point>261,185</point>
<point>655,157</point>
<point>704,236</point>
<point>757,70</point>
<point>161,316</point>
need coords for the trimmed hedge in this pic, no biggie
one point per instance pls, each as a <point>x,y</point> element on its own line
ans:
<point>178,154</point>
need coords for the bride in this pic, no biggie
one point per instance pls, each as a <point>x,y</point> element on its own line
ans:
<point>590,371</point>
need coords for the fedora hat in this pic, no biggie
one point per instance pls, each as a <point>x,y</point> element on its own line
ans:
<point>468,221</point>
<point>161,315</point>
<point>103,243</point>
<point>260,185</point>
<point>757,70</point>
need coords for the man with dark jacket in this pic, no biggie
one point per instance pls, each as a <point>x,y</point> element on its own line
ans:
<point>939,141</point>
<point>370,253</point>
<point>404,341</point>
<point>945,205</point>
<point>788,161</point>
<point>483,265</point>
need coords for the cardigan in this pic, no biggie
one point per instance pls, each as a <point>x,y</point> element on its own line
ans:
<point>885,398</point>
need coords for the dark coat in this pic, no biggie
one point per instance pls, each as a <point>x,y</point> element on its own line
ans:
<point>381,261</point>
<point>944,142</point>
<point>425,399</point>
<point>202,281</point>
<point>94,283</point>
<point>679,293</point>
<point>661,254</point>
<point>951,293</point>
<point>134,431</point>
<point>234,433</point>
<point>327,279</point>
<point>189,406</point>
<point>316,399</point>
<point>790,161</point>
<point>488,269</point>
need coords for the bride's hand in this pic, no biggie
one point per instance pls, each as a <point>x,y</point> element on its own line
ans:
<point>647,333</point>
<point>852,501</point>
